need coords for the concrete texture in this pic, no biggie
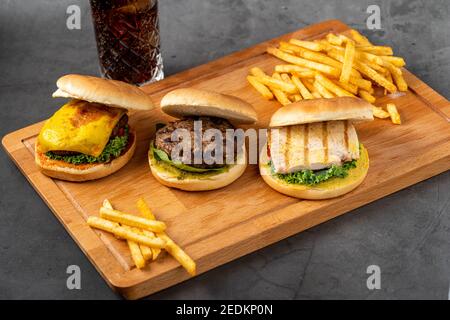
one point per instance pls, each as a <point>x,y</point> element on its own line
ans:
<point>407,234</point>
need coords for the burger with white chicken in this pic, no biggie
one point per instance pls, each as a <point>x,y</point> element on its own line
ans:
<point>313,151</point>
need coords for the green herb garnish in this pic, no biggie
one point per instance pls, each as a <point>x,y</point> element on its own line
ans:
<point>161,155</point>
<point>310,177</point>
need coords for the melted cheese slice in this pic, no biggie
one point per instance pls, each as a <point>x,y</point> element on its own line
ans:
<point>313,146</point>
<point>79,126</point>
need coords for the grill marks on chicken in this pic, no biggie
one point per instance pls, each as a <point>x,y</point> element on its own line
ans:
<point>313,146</point>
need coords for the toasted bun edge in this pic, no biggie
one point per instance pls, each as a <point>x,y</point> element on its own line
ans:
<point>318,110</point>
<point>105,91</point>
<point>189,102</point>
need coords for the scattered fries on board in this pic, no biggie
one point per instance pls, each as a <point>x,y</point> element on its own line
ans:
<point>145,235</point>
<point>335,66</point>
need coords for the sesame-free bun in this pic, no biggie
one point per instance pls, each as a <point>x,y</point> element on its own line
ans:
<point>196,182</point>
<point>332,188</point>
<point>83,172</point>
<point>195,102</point>
<point>318,110</point>
<point>108,92</point>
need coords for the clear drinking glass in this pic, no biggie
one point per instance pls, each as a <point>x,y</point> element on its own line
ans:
<point>127,34</point>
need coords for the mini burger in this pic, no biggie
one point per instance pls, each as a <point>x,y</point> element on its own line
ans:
<point>313,151</point>
<point>199,112</point>
<point>89,137</point>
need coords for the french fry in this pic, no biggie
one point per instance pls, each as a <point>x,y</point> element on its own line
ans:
<point>139,252</point>
<point>318,57</point>
<point>380,69</point>
<point>295,69</point>
<point>131,220</point>
<point>379,113</point>
<point>396,74</point>
<point>330,86</point>
<point>305,74</point>
<point>136,254</point>
<point>362,83</point>
<point>286,50</point>
<point>302,88</point>
<point>375,76</point>
<point>327,46</point>
<point>171,247</point>
<point>276,84</point>
<point>311,55</point>
<point>303,62</point>
<point>273,83</point>
<point>145,211</point>
<point>124,233</point>
<point>107,204</point>
<point>146,252</point>
<point>400,82</point>
<point>338,65</point>
<point>396,61</point>
<point>395,116</point>
<point>338,53</point>
<point>345,39</point>
<point>280,68</point>
<point>285,77</point>
<point>154,251</point>
<point>262,89</point>
<point>333,39</point>
<point>347,64</point>
<point>366,56</point>
<point>366,96</point>
<point>392,69</point>
<point>313,46</point>
<point>279,94</point>
<point>257,72</point>
<point>322,90</point>
<point>389,78</point>
<point>309,84</point>
<point>295,97</point>
<point>175,251</point>
<point>378,50</point>
<point>359,38</point>
<point>347,86</point>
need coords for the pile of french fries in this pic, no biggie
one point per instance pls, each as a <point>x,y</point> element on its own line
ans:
<point>335,66</point>
<point>145,235</point>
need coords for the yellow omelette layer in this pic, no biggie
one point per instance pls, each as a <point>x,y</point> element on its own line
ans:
<point>80,126</point>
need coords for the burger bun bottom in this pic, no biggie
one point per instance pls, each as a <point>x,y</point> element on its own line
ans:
<point>83,172</point>
<point>210,182</point>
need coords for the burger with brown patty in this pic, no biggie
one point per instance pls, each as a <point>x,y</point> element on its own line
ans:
<point>313,151</point>
<point>89,137</point>
<point>174,153</point>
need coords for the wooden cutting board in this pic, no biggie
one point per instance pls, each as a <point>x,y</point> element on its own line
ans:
<point>215,227</point>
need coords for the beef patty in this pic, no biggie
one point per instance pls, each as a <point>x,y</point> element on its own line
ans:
<point>117,131</point>
<point>163,138</point>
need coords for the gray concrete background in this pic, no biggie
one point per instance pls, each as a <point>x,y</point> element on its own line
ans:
<point>407,234</point>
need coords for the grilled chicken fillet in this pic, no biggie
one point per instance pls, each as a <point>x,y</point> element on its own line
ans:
<point>312,146</point>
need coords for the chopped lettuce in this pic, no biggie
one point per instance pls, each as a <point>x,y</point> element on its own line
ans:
<point>161,155</point>
<point>113,149</point>
<point>310,177</point>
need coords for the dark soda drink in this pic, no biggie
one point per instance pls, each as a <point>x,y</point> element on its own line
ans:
<point>127,33</point>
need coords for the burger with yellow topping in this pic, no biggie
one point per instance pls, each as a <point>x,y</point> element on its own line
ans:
<point>89,137</point>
